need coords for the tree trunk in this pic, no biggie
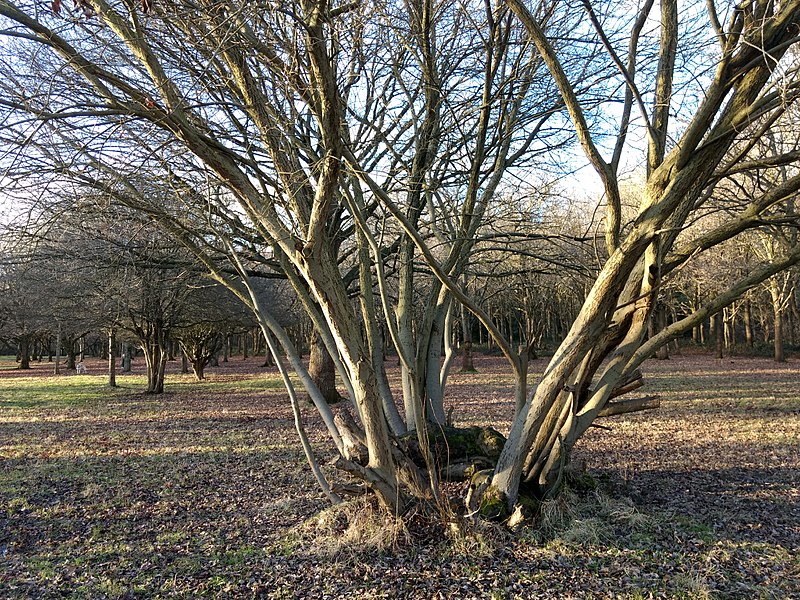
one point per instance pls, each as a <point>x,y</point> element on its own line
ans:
<point>155,356</point>
<point>718,335</point>
<point>748,324</point>
<point>71,357</point>
<point>791,319</point>
<point>659,322</point>
<point>467,364</point>
<point>24,352</point>
<point>112,359</point>
<point>126,358</point>
<point>727,328</point>
<point>198,368</point>
<point>269,360</point>
<point>777,320</point>
<point>778,326</point>
<point>57,366</point>
<point>323,370</point>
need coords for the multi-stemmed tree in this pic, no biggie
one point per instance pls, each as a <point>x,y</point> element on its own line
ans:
<point>346,146</point>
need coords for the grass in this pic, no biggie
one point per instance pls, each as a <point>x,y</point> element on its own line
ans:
<point>203,492</point>
<point>59,392</point>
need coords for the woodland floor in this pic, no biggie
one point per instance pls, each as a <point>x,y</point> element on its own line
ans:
<point>204,492</point>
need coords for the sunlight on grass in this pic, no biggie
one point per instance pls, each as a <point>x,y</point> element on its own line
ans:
<point>72,391</point>
<point>39,392</point>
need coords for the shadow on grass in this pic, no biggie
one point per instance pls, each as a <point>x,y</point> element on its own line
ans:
<point>740,504</point>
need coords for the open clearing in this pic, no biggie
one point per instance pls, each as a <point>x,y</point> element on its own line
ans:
<point>204,492</point>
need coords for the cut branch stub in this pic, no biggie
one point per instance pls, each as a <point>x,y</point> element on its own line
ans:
<point>628,406</point>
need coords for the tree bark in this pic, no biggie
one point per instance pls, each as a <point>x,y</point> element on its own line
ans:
<point>57,365</point>
<point>323,370</point>
<point>777,321</point>
<point>155,356</point>
<point>748,324</point>
<point>112,359</point>
<point>658,323</point>
<point>24,351</point>
<point>127,358</point>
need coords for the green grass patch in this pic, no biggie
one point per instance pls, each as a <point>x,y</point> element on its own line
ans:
<point>73,391</point>
<point>7,362</point>
<point>41,392</point>
<point>244,384</point>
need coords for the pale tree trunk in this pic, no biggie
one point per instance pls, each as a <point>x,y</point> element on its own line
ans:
<point>719,336</point>
<point>779,354</point>
<point>381,473</point>
<point>728,327</point>
<point>613,319</point>
<point>404,313</point>
<point>449,353</point>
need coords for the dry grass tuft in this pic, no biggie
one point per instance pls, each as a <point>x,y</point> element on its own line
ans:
<point>355,526</point>
<point>621,510</point>
<point>691,585</point>
<point>587,519</point>
<point>475,539</point>
<point>591,531</point>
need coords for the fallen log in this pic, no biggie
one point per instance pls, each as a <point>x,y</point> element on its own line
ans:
<point>458,452</point>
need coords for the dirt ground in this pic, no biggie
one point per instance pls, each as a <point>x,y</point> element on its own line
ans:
<point>203,492</point>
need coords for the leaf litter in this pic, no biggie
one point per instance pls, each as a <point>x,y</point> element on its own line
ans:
<point>204,492</point>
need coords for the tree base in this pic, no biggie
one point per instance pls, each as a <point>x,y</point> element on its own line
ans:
<point>459,452</point>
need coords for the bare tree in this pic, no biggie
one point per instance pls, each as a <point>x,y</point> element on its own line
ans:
<point>347,147</point>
